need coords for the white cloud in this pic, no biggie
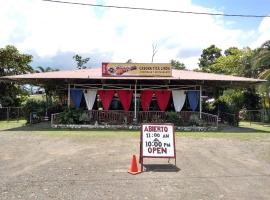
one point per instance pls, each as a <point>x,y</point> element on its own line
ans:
<point>49,28</point>
<point>264,33</point>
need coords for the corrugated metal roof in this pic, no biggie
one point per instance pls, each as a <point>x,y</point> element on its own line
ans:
<point>95,73</point>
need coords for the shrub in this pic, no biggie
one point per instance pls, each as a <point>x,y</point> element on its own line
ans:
<point>173,117</point>
<point>70,116</point>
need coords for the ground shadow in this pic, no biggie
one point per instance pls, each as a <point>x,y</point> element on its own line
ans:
<point>233,129</point>
<point>46,126</point>
<point>161,168</point>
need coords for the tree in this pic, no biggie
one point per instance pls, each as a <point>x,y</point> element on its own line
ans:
<point>262,58</point>
<point>154,51</point>
<point>208,57</point>
<point>80,61</point>
<point>232,51</point>
<point>177,64</point>
<point>227,64</point>
<point>12,62</point>
<point>47,69</point>
<point>129,61</point>
<point>264,89</point>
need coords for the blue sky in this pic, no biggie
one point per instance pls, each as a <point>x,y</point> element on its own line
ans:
<point>53,32</point>
<point>255,7</point>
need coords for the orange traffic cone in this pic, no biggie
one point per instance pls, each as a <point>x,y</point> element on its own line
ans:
<point>134,168</point>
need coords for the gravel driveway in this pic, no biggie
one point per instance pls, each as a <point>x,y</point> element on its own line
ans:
<point>41,167</point>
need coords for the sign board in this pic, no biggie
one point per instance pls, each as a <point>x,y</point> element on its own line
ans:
<point>137,69</point>
<point>157,141</point>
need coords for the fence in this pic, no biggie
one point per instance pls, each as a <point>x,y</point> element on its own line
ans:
<point>183,118</point>
<point>255,115</point>
<point>11,113</point>
<point>229,118</point>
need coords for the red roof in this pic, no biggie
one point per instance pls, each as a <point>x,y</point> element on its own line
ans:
<point>95,73</point>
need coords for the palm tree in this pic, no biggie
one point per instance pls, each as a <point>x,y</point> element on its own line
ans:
<point>265,90</point>
<point>261,59</point>
<point>47,69</point>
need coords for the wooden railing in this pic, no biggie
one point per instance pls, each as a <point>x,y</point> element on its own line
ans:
<point>183,118</point>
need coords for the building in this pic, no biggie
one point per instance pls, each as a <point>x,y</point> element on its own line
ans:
<point>132,93</point>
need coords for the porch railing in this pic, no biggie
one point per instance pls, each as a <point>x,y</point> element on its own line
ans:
<point>183,118</point>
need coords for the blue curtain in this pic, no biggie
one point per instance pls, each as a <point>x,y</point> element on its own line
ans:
<point>193,99</point>
<point>76,96</point>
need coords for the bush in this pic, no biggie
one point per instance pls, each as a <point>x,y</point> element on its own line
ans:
<point>194,120</point>
<point>32,105</point>
<point>39,106</point>
<point>70,116</point>
<point>173,117</point>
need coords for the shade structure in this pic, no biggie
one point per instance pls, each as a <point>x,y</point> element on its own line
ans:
<point>125,97</point>
<point>76,96</point>
<point>193,99</point>
<point>163,97</point>
<point>90,97</point>
<point>106,98</point>
<point>146,98</point>
<point>179,98</point>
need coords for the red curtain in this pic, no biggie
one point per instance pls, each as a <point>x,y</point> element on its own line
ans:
<point>106,97</point>
<point>163,97</point>
<point>146,98</point>
<point>125,97</point>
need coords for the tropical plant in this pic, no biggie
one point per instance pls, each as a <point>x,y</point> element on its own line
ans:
<point>71,116</point>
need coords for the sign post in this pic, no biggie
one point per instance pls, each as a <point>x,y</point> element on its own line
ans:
<point>157,141</point>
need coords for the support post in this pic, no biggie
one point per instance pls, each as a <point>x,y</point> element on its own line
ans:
<point>135,103</point>
<point>68,96</point>
<point>200,101</point>
<point>7,113</point>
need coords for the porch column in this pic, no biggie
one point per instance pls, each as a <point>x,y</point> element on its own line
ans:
<point>200,101</point>
<point>68,96</point>
<point>135,102</point>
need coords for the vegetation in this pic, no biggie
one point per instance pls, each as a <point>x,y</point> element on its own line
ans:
<point>246,131</point>
<point>254,63</point>
<point>241,62</point>
<point>177,64</point>
<point>70,116</point>
<point>81,61</point>
<point>12,62</point>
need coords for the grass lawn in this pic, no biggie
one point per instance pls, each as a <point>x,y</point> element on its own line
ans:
<point>246,131</point>
<point>6,125</point>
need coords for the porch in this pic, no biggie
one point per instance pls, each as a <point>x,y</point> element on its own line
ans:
<point>94,118</point>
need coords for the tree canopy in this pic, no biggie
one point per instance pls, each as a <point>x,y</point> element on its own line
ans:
<point>208,57</point>
<point>12,62</point>
<point>81,61</point>
<point>177,64</point>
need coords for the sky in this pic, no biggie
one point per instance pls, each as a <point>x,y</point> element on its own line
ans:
<point>53,33</point>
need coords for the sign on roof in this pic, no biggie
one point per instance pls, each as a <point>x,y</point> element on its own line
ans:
<point>136,69</point>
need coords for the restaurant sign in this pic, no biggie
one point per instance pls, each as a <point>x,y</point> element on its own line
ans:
<point>136,69</point>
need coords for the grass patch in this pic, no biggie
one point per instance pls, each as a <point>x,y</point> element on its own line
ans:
<point>255,125</point>
<point>225,135</point>
<point>245,132</point>
<point>5,125</point>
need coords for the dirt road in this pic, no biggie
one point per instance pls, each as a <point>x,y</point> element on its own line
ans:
<point>42,167</point>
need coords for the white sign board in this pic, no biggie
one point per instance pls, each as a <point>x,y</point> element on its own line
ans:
<point>157,140</point>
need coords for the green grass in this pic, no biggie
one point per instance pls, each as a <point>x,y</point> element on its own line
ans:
<point>256,125</point>
<point>245,132</point>
<point>5,125</point>
<point>225,135</point>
